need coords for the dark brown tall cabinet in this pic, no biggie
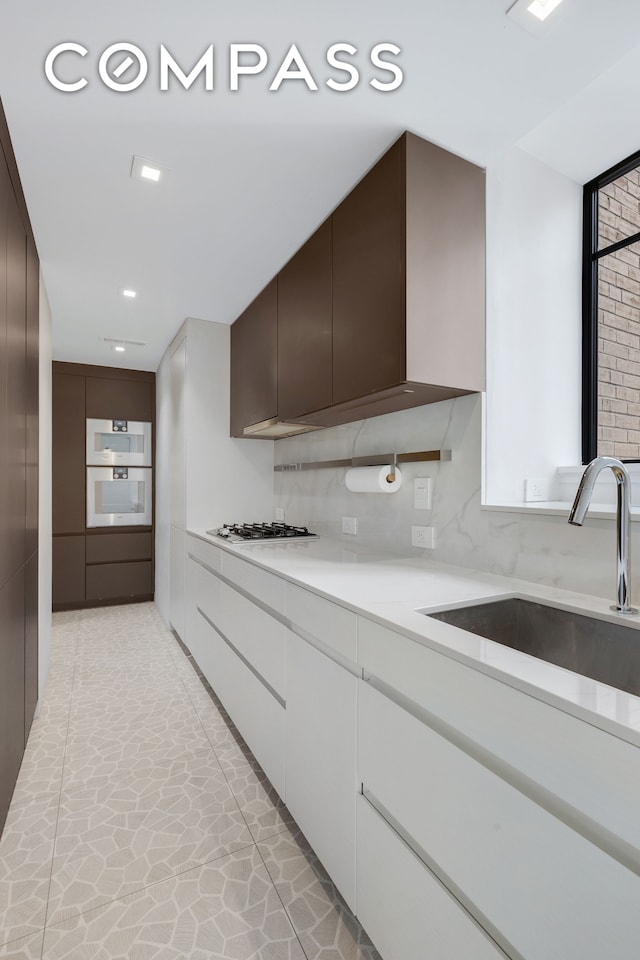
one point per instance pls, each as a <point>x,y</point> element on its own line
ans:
<point>19,326</point>
<point>93,566</point>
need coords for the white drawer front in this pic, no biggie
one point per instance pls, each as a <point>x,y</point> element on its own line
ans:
<point>204,590</point>
<point>257,636</point>
<point>256,713</point>
<point>552,747</point>
<point>402,906</point>
<point>207,552</point>
<point>199,640</point>
<point>321,758</point>
<point>329,622</point>
<point>266,587</point>
<point>550,892</point>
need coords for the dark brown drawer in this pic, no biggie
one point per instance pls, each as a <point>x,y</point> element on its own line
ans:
<point>68,570</point>
<point>111,547</point>
<point>111,581</point>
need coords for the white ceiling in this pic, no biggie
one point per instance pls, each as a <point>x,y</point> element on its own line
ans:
<point>254,172</point>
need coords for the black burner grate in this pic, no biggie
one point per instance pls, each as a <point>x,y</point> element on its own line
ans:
<point>263,531</point>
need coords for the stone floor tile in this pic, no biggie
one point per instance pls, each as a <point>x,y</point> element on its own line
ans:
<point>26,854</point>
<point>261,806</point>
<point>114,838</point>
<point>26,948</point>
<point>227,910</point>
<point>326,927</point>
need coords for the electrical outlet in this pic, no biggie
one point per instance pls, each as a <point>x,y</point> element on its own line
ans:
<point>350,525</point>
<point>536,490</point>
<point>422,493</point>
<point>424,537</point>
<point>279,515</point>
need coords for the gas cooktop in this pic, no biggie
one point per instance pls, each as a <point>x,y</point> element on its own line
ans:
<point>250,532</point>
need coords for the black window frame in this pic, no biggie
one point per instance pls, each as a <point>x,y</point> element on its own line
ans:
<point>590,259</point>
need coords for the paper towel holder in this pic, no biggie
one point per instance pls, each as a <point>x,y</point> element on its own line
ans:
<point>373,460</point>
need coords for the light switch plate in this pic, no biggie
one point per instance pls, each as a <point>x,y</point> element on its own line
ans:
<point>350,525</point>
<point>279,513</point>
<point>422,493</point>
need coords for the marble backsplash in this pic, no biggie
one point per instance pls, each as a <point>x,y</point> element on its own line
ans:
<point>545,549</point>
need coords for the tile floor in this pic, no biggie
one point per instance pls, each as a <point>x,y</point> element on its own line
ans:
<point>142,828</point>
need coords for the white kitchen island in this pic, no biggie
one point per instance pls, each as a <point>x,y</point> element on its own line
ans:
<point>468,800</point>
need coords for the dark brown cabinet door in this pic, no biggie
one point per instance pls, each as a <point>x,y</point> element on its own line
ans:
<point>19,322</point>
<point>16,384</point>
<point>12,707</point>
<point>118,399</point>
<point>69,474</point>
<point>30,642</point>
<point>32,384</point>
<point>368,282</point>
<point>254,362</point>
<point>5,551</point>
<point>68,571</point>
<point>304,328</point>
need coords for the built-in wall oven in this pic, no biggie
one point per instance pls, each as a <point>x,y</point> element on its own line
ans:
<point>126,442</point>
<point>119,496</point>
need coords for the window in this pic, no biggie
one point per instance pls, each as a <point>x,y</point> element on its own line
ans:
<point>611,314</point>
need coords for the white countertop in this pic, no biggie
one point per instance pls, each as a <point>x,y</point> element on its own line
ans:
<point>391,590</point>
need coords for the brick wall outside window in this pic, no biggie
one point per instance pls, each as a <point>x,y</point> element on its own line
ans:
<point>619,320</point>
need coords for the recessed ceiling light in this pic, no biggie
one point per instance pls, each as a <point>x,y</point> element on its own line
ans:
<point>151,173</point>
<point>131,294</point>
<point>122,343</point>
<point>542,8</point>
<point>530,15</point>
<point>149,170</point>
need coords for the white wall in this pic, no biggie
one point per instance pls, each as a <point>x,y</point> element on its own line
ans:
<point>227,479</point>
<point>44,492</point>
<point>210,479</point>
<point>534,270</point>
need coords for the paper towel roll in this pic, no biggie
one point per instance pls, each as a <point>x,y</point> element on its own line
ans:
<point>372,480</point>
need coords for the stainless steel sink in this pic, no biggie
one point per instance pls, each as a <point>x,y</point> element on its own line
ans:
<point>598,649</point>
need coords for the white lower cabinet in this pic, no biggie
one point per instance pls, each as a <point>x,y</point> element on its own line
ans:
<point>257,714</point>
<point>177,560</point>
<point>329,622</point>
<point>203,591</point>
<point>543,890</point>
<point>256,708</point>
<point>256,635</point>
<point>405,910</point>
<point>459,848</point>
<point>321,758</point>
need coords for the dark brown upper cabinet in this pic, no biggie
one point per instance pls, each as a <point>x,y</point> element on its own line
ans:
<point>408,285</point>
<point>305,328</point>
<point>407,299</point>
<point>368,282</point>
<point>119,399</point>
<point>254,362</point>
